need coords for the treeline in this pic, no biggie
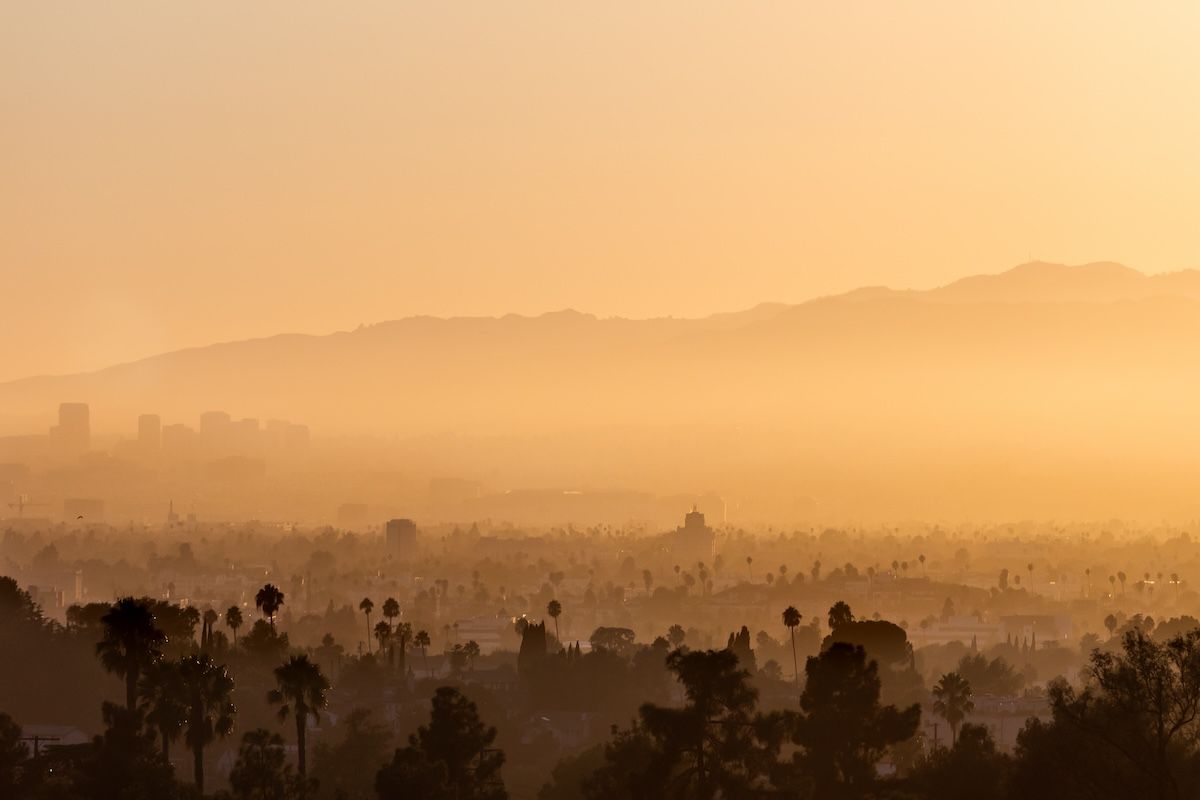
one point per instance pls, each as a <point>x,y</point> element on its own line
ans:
<point>1130,730</point>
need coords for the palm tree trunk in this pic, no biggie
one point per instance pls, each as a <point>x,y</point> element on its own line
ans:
<point>301,719</point>
<point>131,682</point>
<point>198,767</point>
<point>795,661</point>
<point>368,633</point>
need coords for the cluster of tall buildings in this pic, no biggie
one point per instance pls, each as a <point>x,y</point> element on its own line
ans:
<point>219,435</point>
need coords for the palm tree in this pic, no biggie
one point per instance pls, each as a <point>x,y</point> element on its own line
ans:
<point>921,558</point>
<point>301,693</point>
<point>422,640</point>
<point>367,606</point>
<point>750,567</point>
<point>791,618</point>
<point>162,701</point>
<point>268,601</point>
<point>403,635</point>
<point>391,610</point>
<point>210,618</point>
<point>1121,577</point>
<point>554,609</point>
<point>1110,622</point>
<point>676,635</point>
<point>207,693</point>
<point>952,699</point>
<point>233,618</point>
<point>382,634</point>
<point>130,644</point>
<point>472,651</point>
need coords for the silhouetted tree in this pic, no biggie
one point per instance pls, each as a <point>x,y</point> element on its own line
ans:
<point>261,771</point>
<point>269,600</point>
<point>971,769</point>
<point>131,643</point>
<point>301,692</point>
<point>163,702</point>
<point>844,730</point>
<point>1131,731</point>
<point>208,693</point>
<point>451,757</point>
<point>421,640</point>
<point>344,764</point>
<point>554,609</point>
<point>791,619</point>
<point>839,614</point>
<point>367,606</point>
<point>952,700</point>
<point>233,619</point>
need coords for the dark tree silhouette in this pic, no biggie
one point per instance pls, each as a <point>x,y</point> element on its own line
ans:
<point>839,615</point>
<point>301,693</point>
<point>131,643</point>
<point>233,618</point>
<point>208,693</point>
<point>952,700</point>
<point>367,606</point>
<point>163,702</point>
<point>451,757</point>
<point>844,730</point>
<point>269,600</point>
<point>261,770</point>
<point>791,619</point>
<point>554,609</point>
<point>422,641</point>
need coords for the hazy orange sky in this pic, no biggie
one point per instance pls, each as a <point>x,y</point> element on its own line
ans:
<point>180,173</point>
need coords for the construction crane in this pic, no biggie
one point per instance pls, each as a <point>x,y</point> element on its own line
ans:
<point>22,502</point>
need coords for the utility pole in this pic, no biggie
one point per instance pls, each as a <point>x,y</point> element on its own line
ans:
<point>37,743</point>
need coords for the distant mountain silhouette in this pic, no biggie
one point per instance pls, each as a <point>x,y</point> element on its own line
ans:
<point>1068,383</point>
<point>423,374</point>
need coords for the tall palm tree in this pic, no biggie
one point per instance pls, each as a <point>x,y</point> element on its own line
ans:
<point>554,609</point>
<point>791,618</point>
<point>130,644</point>
<point>382,634</point>
<point>403,634</point>
<point>952,699</point>
<point>210,618</point>
<point>163,702</point>
<point>367,606</point>
<point>391,610</point>
<point>302,694</point>
<point>208,693</point>
<point>422,641</point>
<point>269,600</point>
<point>233,618</point>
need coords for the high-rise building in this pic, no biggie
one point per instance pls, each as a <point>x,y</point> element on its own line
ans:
<point>402,537</point>
<point>73,433</point>
<point>694,540</point>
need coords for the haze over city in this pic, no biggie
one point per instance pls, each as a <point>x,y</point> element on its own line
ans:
<point>689,400</point>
